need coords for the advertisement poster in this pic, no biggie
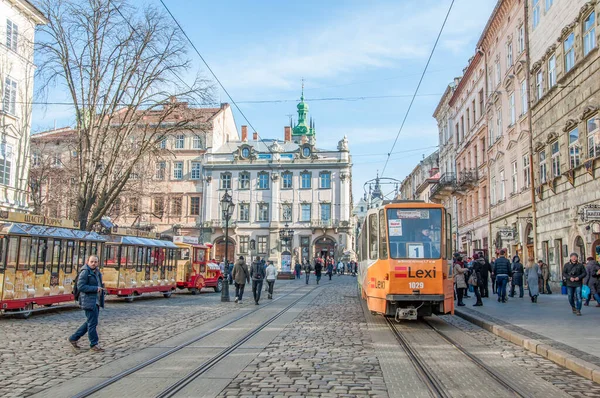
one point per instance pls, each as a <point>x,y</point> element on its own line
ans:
<point>286,262</point>
<point>395,227</point>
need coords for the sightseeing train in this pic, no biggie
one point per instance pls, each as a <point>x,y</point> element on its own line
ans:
<point>405,260</point>
<point>40,258</point>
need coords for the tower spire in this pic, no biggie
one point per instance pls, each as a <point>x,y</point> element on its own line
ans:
<point>302,95</point>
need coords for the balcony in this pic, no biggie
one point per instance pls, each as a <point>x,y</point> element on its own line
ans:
<point>468,178</point>
<point>444,187</point>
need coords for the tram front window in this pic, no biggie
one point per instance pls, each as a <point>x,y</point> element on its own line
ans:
<point>414,233</point>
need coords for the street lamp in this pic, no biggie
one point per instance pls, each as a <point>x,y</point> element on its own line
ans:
<point>227,208</point>
<point>286,234</point>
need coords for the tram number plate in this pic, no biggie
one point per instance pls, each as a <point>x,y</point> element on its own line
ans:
<point>416,285</point>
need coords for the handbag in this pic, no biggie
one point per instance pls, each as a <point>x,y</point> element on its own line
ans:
<point>473,279</point>
<point>585,291</point>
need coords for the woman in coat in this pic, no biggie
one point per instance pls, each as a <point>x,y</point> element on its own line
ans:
<point>591,280</point>
<point>240,275</point>
<point>459,280</point>
<point>533,273</point>
<point>517,278</point>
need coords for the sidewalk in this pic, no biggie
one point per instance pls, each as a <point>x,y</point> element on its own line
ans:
<point>548,328</point>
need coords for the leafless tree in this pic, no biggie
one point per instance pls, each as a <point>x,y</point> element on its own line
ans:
<point>122,67</point>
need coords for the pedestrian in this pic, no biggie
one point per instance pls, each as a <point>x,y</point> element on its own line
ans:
<point>91,299</point>
<point>459,279</point>
<point>502,271</point>
<point>229,272</point>
<point>354,268</point>
<point>241,276</point>
<point>493,276</point>
<point>306,270</point>
<point>329,269</point>
<point>318,269</point>
<point>297,269</point>
<point>591,280</point>
<point>340,268</point>
<point>573,275</point>
<point>271,276</point>
<point>476,280</point>
<point>546,277</point>
<point>485,276</point>
<point>533,273</point>
<point>517,279</point>
<point>257,274</point>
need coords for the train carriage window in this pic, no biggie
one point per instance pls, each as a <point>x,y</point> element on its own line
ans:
<point>12,252</point>
<point>415,233</point>
<point>56,256</point>
<point>82,256</point>
<point>139,263</point>
<point>383,251</point>
<point>3,243</point>
<point>110,256</point>
<point>93,248</point>
<point>131,263</point>
<point>40,256</point>
<point>373,241</point>
<point>69,258</point>
<point>24,250</point>
<point>151,259</point>
<point>184,254</point>
<point>200,255</point>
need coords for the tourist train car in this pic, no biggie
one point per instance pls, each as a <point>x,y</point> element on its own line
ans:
<point>133,265</point>
<point>405,260</point>
<point>194,271</point>
<point>39,259</point>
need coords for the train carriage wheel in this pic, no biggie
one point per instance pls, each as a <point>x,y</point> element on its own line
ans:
<point>25,312</point>
<point>129,299</point>
<point>194,291</point>
<point>219,286</point>
<point>167,294</point>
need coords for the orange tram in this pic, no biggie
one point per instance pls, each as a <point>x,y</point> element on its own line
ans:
<point>194,271</point>
<point>405,260</point>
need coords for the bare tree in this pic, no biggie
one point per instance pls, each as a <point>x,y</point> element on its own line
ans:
<point>121,66</point>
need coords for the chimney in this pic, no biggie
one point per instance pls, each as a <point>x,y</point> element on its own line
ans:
<point>255,136</point>
<point>287,135</point>
<point>244,133</point>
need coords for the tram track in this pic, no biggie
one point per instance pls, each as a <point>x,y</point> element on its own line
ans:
<point>428,375</point>
<point>206,365</point>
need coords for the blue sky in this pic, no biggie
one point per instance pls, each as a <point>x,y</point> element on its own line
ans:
<point>261,50</point>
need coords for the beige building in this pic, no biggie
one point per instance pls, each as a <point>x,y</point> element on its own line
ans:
<point>417,185</point>
<point>565,87</point>
<point>18,20</point>
<point>504,47</point>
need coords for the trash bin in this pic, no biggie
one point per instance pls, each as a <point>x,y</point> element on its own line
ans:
<point>563,288</point>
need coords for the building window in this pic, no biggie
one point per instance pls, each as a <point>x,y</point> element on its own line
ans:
<point>196,173</point>
<point>194,206</point>
<point>197,142</point>
<point>244,212</point>
<point>325,180</point>
<point>226,181</point>
<point>286,212</point>
<point>177,170</point>
<point>589,33</point>
<point>481,110</point>
<point>491,132</point>
<point>574,153</point>
<point>12,35</point>
<point>244,241</point>
<point>514,178</point>
<point>134,205</point>
<point>158,207</point>
<point>549,4</point>
<point>468,120</point>
<point>10,96</point>
<point>261,244</point>
<point>555,150</point>
<point>521,39</point>
<point>36,159</point>
<point>593,131</point>
<point>176,206</point>
<point>524,104</point>
<point>499,121</point>
<point>179,141</point>
<point>511,107</point>
<point>244,180</point>
<point>263,212</point>
<point>163,143</point>
<point>526,171</point>
<point>552,71</point>
<point>569,52</point>
<point>286,180</point>
<point>539,87</point>
<point>509,55</point>
<point>502,186</point>
<point>305,179</point>
<point>493,191</point>
<point>543,174</point>
<point>263,180</point>
<point>498,73</point>
<point>489,82</point>
<point>325,211</point>
<point>536,13</point>
<point>5,164</point>
<point>160,170</point>
<point>305,212</point>
<point>473,110</point>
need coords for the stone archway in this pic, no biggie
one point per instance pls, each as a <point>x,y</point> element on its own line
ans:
<point>219,249</point>
<point>593,250</point>
<point>324,246</point>
<point>580,248</point>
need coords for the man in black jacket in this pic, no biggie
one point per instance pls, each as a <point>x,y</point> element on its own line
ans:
<point>503,272</point>
<point>257,274</point>
<point>487,270</point>
<point>573,274</point>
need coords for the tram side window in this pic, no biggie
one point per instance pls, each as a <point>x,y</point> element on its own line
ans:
<point>110,256</point>
<point>40,256</point>
<point>68,259</point>
<point>130,257</point>
<point>12,252</point>
<point>24,249</point>
<point>373,243</point>
<point>82,254</point>
<point>139,259</point>
<point>448,235</point>
<point>383,251</point>
<point>56,256</point>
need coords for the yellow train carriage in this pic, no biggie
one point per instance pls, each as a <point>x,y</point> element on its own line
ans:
<point>405,253</point>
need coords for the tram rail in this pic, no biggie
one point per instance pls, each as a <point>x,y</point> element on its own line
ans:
<point>205,366</point>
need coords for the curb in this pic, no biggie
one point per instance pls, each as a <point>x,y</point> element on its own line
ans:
<point>583,368</point>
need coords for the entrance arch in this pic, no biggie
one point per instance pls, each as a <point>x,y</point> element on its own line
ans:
<point>219,249</point>
<point>324,247</point>
<point>580,248</point>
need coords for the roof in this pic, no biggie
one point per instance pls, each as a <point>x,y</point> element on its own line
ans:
<point>34,13</point>
<point>60,133</point>
<point>50,232</point>
<point>473,62</point>
<point>259,146</point>
<point>135,241</point>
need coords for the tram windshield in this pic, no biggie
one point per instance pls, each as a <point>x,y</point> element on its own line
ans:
<point>414,233</point>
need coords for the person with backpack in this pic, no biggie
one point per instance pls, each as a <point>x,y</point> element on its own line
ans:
<point>476,278</point>
<point>502,271</point>
<point>89,292</point>
<point>271,276</point>
<point>573,275</point>
<point>257,274</point>
<point>240,275</point>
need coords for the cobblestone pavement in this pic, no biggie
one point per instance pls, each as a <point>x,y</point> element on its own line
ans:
<point>35,354</point>
<point>562,378</point>
<point>327,352</point>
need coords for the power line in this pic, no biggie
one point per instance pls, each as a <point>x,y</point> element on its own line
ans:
<point>418,85</point>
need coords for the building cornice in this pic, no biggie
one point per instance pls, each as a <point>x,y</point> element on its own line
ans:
<point>29,10</point>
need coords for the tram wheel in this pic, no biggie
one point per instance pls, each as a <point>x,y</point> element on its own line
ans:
<point>129,299</point>
<point>194,291</point>
<point>219,286</point>
<point>26,311</point>
<point>167,294</point>
<point>48,305</point>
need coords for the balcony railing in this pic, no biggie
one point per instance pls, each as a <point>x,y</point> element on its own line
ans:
<point>444,186</point>
<point>468,178</point>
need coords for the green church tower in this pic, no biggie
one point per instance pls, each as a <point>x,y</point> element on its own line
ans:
<point>303,127</point>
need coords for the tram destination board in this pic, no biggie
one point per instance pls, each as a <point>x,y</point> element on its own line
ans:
<point>37,220</point>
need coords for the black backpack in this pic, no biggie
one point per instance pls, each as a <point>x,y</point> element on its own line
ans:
<point>76,292</point>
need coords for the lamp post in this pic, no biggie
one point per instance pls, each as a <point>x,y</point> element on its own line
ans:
<point>227,208</point>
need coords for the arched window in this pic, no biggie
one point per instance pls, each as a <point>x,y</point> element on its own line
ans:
<point>580,248</point>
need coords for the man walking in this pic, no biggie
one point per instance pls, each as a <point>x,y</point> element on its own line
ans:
<point>306,270</point>
<point>91,299</point>
<point>271,276</point>
<point>318,269</point>
<point>502,271</point>
<point>573,274</point>
<point>297,269</point>
<point>240,275</point>
<point>257,273</point>
<point>485,274</point>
